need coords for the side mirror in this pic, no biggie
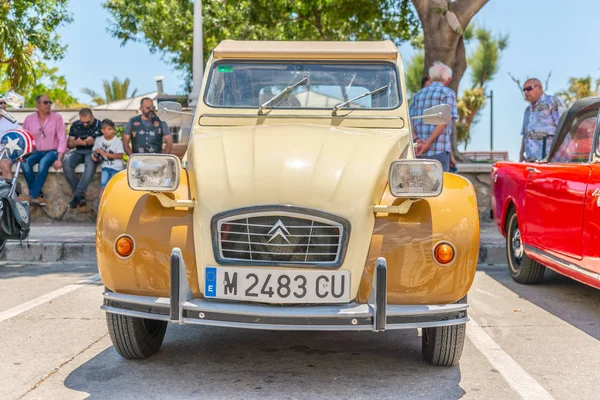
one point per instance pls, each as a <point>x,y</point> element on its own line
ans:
<point>14,99</point>
<point>165,107</point>
<point>437,115</point>
<point>170,106</point>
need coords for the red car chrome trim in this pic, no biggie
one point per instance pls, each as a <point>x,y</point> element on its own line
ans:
<point>563,263</point>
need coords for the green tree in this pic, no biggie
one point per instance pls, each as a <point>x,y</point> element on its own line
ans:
<point>167,26</point>
<point>484,63</point>
<point>414,73</point>
<point>113,90</point>
<point>27,34</point>
<point>580,88</point>
<point>48,81</point>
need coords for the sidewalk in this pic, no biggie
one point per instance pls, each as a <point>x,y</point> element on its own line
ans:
<point>70,242</point>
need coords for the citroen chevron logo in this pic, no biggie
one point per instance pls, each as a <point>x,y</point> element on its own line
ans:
<point>279,229</point>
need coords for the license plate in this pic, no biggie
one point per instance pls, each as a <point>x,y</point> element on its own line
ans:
<point>276,285</point>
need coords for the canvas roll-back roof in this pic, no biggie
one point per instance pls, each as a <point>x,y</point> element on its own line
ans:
<point>299,50</point>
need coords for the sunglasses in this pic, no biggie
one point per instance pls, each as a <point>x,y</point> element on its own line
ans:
<point>2,103</point>
<point>529,88</point>
<point>46,102</point>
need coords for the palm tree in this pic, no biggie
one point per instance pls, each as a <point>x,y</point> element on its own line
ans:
<point>578,89</point>
<point>484,63</point>
<point>113,91</point>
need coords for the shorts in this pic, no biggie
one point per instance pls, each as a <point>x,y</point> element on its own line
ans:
<point>105,176</point>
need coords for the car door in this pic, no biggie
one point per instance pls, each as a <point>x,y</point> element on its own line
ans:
<point>555,194</point>
<point>591,217</point>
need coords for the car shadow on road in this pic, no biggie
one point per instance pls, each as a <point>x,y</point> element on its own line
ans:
<point>573,302</point>
<point>207,362</point>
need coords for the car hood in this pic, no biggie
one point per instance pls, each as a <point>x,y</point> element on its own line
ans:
<point>326,168</point>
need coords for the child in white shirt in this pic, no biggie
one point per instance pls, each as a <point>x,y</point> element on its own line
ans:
<point>109,150</point>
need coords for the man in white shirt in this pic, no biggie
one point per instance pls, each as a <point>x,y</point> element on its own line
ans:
<point>5,125</point>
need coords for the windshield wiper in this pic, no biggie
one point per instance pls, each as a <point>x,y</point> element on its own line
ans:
<point>283,93</point>
<point>344,104</point>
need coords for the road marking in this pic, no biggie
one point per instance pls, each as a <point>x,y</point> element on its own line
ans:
<point>523,383</point>
<point>13,312</point>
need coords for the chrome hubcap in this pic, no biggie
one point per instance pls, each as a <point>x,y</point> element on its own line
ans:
<point>517,245</point>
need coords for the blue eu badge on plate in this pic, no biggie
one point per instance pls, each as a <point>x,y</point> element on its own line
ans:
<point>210,282</point>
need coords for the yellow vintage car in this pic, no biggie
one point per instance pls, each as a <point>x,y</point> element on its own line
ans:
<point>299,205</point>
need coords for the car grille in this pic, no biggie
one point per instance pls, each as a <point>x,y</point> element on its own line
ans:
<point>276,236</point>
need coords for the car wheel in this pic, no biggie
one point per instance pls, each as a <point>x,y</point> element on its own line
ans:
<point>443,345</point>
<point>135,338</point>
<point>522,268</point>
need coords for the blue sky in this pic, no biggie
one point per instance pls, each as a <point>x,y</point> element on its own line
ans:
<point>544,36</point>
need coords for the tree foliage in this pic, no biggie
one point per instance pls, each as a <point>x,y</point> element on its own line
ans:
<point>113,90</point>
<point>414,73</point>
<point>580,88</point>
<point>28,34</point>
<point>48,81</point>
<point>484,63</point>
<point>167,26</point>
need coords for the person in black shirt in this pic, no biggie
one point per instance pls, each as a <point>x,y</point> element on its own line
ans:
<point>82,135</point>
<point>145,133</point>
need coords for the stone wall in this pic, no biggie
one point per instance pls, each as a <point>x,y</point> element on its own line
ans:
<point>58,193</point>
<point>479,175</point>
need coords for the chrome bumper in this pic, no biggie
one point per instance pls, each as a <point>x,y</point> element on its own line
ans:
<point>376,315</point>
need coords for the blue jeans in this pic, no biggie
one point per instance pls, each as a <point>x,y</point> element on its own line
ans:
<point>35,182</point>
<point>105,176</point>
<point>72,160</point>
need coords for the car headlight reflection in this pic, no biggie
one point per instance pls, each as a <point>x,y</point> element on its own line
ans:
<point>416,178</point>
<point>153,172</point>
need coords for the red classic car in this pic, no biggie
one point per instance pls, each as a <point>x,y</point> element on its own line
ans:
<point>549,210</point>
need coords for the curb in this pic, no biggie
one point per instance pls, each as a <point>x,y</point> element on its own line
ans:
<point>86,252</point>
<point>49,252</point>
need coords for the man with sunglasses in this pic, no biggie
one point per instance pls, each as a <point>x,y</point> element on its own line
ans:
<point>82,136</point>
<point>540,121</point>
<point>48,130</point>
<point>146,132</point>
<point>5,125</point>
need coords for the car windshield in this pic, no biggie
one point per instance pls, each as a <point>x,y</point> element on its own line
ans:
<point>241,84</point>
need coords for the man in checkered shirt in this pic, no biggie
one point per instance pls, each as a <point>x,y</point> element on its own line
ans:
<point>433,141</point>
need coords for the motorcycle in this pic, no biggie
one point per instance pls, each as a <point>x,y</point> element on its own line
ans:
<point>17,145</point>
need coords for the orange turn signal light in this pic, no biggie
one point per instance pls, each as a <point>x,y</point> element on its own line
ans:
<point>444,253</point>
<point>124,246</point>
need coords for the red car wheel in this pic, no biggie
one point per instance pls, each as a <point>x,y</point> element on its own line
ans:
<point>522,268</point>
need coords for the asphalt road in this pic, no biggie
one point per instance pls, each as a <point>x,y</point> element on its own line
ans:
<point>538,342</point>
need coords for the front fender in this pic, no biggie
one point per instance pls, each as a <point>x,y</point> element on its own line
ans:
<point>155,229</point>
<point>407,241</point>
